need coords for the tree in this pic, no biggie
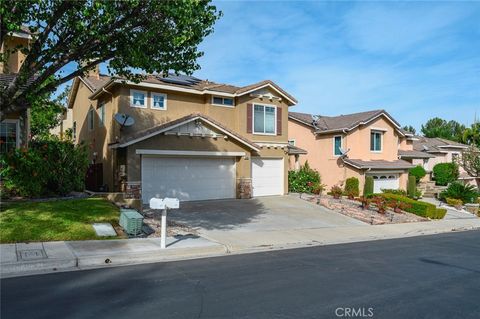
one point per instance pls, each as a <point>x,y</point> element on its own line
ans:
<point>69,38</point>
<point>437,127</point>
<point>470,161</point>
<point>46,113</point>
<point>471,135</point>
<point>410,129</point>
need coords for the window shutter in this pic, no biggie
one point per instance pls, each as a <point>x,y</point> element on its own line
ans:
<point>249,118</point>
<point>279,121</point>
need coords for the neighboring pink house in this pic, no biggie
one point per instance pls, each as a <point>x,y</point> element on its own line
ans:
<point>358,145</point>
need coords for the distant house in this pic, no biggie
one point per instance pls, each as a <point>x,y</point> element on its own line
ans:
<point>186,137</point>
<point>353,145</point>
<point>15,129</point>
<point>428,152</point>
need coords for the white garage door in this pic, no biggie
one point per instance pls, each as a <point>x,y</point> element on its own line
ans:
<point>385,182</point>
<point>188,178</point>
<point>267,176</point>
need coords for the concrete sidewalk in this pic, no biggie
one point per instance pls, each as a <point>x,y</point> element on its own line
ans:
<point>35,258</point>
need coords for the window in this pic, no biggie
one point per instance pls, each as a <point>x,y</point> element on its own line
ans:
<point>159,101</point>
<point>74,130</point>
<point>90,119</point>
<point>222,101</point>
<point>337,145</point>
<point>291,142</point>
<point>138,99</point>
<point>376,141</point>
<point>101,110</point>
<point>264,119</point>
<point>9,135</point>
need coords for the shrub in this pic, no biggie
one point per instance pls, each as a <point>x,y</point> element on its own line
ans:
<point>412,186</point>
<point>336,191</point>
<point>394,191</point>
<point>419,172</point>
<point>381,204</point>
<point>352,187</point>
<point>305,180</point>
<point>456,190</point>
<point>444,173</point>
<point>457,203</point>
<point>368,187</point>
<point>415,207</point>
<point>47,168</point>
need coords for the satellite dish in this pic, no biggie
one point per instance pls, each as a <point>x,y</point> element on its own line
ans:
<point>315,118</point>
<point>124,119</point>
<point>425,148</point>
<point>344,152</point>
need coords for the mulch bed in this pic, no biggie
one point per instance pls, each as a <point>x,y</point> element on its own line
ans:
<point>352,208</point>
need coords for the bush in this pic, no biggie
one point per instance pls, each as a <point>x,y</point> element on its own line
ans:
<point>454,202</point>
<point>456,190</point>
<point>47,168</point>
<point>419,208</point>
<point>444,173</point>
<point>419,172</point>
<point>368,187</point>
<point>352,187</point>
<point>412,186</point>
<point>394,191</point>
<point>305,180</point>
<point>336,191</point>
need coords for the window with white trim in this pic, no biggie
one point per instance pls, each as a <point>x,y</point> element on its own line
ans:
<point>138,98</point>
<point>90,119</point>
<point>264,119</point>
<point>337,145</point>
<point>159,101</point>
<point>225,101</point>
<point>376,141</point>
<point>101,111</point>
<point>9,135</point>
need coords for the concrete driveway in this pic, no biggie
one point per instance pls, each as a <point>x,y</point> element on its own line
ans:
<point>259,214</point>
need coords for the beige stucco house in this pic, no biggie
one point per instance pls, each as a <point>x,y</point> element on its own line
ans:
<point>15,129</point>
<point>183,137</point>
<point>352,145</point>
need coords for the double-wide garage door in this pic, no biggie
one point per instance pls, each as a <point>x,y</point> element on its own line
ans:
<point>188,178</point>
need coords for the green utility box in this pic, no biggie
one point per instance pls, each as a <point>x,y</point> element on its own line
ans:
<point>131,221</point>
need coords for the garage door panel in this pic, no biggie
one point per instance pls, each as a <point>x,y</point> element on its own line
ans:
<point>267,176</point>
<point>385,182</point>
<point>188,178</point>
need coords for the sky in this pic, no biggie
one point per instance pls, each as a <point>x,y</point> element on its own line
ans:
<point>417,60</point>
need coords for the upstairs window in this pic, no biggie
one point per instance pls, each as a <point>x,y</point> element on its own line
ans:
<point>101,111</point>
<point>225,101</point>
<point>337,145</point>
<point>138,98</point>
<point>376,141</point>
<point>159,101</point>
<point>264,119</point>
<point>90,119</point>
<point>9,136</point>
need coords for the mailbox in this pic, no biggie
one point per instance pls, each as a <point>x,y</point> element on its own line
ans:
<point>166,203</point>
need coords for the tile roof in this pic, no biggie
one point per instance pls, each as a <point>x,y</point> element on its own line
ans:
<point>6,79</point>
<point>414,154</point>
<point>378,164</point>
<point>294,150</point>
<point>190,82</point>
<point>341,122</point>
<point>140,135</point>
<point>434,144</point>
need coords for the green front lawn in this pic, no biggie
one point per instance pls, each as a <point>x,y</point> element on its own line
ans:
<point>55,220</point>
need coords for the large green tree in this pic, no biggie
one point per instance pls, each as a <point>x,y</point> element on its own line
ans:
<point>71,37</point>
<point>471,135</point>
<point>437,127</point>
<point>410,129</point>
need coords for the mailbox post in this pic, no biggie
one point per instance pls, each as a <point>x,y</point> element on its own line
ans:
<point>164,205</point>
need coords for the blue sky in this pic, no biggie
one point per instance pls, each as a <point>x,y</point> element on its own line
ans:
<point>417,60</point>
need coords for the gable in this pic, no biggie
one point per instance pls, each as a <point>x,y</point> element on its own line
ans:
<point>194,128</point>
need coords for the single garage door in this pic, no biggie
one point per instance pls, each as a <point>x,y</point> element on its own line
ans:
<point>385,182</point>
<point>267,176</point>
<point>188,178</point>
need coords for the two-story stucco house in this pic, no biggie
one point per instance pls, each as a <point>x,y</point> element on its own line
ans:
<point>353,145</point>
<point>15,129</point>
<point>185,137</point>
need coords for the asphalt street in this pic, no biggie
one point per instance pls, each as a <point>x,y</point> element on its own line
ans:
<point>420,277</point>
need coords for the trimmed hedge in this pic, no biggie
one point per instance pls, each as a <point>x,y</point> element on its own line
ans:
<point>352,187</point>
<point>411,186</point>
<point>418,171</point>
<point>419,208</point>
<point>368,187</point>
<point>444,173</point>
